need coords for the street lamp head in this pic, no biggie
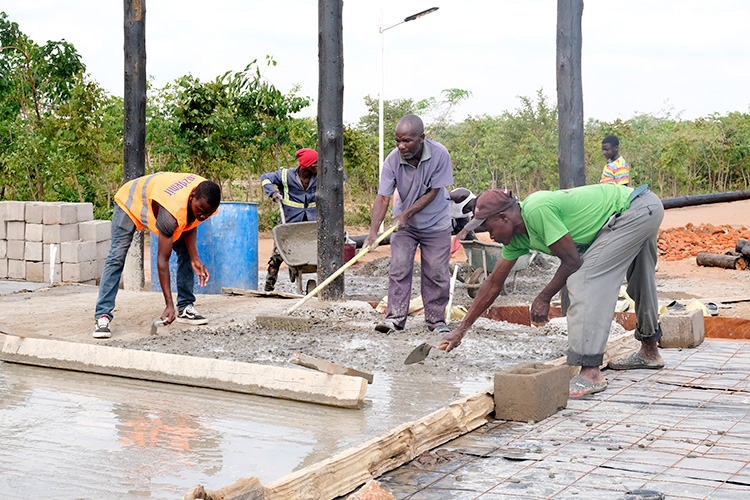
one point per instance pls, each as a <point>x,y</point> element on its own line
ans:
<point>420,14</point>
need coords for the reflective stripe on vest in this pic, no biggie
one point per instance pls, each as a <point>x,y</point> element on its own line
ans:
<point>168,189</point>
<point>288,201</point>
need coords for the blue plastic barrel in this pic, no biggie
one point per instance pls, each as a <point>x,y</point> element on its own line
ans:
<point>228,246</point>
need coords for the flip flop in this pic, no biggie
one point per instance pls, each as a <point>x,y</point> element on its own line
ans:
<point>633,362</point>
<point>713,308</point>
<point>675,306</point>
<point>580,387</point>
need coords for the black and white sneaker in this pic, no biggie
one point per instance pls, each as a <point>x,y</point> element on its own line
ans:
<point>190,316</point>
<point>102,328</point>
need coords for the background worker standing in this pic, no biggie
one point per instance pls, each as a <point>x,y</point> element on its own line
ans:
<point>295,189</point>
<point>617,169</point>
<point>171,205</point>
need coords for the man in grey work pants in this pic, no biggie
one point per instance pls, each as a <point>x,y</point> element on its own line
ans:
<point>625,246</point>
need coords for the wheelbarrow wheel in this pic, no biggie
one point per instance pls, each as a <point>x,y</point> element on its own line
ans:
<point>474,282</point>
<point>311,284</point>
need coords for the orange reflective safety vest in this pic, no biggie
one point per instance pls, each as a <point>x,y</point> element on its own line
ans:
<point>168,189</point>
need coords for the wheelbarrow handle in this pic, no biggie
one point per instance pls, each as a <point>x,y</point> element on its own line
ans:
<point>281,212</point>
<point>341,270</point>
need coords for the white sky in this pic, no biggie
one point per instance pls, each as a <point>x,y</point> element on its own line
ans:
<point>687,57</point>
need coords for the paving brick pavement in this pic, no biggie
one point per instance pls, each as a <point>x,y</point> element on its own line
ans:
<point>683,431</point>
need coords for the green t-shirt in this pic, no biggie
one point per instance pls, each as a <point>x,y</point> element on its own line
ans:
<point>581,211</point>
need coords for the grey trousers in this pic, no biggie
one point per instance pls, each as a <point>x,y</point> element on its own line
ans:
<point>435,280</point>
<point>624,247</point>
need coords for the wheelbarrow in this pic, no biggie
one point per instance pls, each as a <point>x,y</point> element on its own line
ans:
<point>482,258</point>
<point>297,243</point>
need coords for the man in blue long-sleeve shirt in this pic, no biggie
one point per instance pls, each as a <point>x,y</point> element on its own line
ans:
<point>295,189</point>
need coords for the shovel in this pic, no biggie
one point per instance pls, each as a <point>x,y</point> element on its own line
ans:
<point>287,322</point>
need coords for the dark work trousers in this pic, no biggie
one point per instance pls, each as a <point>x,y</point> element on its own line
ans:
<point>624,247</point>
<point>434,247</point>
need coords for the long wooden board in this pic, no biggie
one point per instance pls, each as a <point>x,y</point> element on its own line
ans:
<point>262,380</point>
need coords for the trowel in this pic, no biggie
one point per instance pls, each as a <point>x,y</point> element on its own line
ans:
<point>156,323</point>
<point>419,354</point>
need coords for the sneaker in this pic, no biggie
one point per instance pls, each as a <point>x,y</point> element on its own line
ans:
<point>387,326</point>
<point>102,328</point>
<point>190,315</point>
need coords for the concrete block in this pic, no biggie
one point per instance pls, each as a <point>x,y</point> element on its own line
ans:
<point>57,233</point>
<point>60,213</point>
<point>79,272</point>
<point>102,249</point>
<point>95,230</point>
<point>531,392</point>
<point>3,268</point>
<point>16,269</point>
<point>47,253</point>
<point>15,249</point>
<point>99,269</point>
<point>35,272</point>
<point>13,210</point>
<point>33,251</point>
<point>682,329</point>
<point>3,249</point>
<point>85,212</point>
<point>3,229</point>
<point>34,213</point>
<point>77,251</point>
<point>34,232</point>
<point>57,273</point>
<point>16,230</point>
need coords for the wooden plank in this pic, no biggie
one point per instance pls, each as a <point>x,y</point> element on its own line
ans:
<point>259,293</point>
<point>263,380</point>
<point>324,366</point>
<point>347,470</point>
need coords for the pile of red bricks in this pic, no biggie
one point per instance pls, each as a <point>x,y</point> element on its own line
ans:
<point>684,242</point>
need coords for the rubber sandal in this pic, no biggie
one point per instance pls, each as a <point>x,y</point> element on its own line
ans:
<point>580,387</point>
<point>675,306</point>
<point>713,308</point>
<point>634,362</point>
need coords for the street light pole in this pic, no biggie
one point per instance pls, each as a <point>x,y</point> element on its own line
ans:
<point>382,79</point>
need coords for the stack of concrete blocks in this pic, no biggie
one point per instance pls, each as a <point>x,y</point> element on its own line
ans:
<point>52,242</point>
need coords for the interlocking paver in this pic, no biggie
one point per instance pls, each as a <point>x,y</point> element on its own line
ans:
<point>683,430</point>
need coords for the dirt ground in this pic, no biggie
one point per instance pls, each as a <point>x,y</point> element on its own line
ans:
<point>342,332</point>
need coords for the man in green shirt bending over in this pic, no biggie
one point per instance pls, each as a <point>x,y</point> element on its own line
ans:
<point>601,233</point>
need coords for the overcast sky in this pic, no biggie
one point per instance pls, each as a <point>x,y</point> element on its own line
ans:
<point>689,58</point>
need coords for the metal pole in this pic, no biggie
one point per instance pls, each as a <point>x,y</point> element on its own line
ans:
<point>380,107</point>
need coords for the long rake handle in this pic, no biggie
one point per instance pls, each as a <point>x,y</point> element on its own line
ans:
<point>340,270</point>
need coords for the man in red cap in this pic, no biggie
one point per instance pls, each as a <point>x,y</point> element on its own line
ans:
<point>295,189</point>
<point>602,233</point>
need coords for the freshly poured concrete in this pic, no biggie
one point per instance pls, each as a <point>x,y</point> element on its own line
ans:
<point>93,436</point>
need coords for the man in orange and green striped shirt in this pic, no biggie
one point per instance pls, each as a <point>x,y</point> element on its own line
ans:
<point>617,169</point>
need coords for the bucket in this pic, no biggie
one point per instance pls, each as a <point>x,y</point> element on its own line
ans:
<point>350,250</point>
<point>228,246</point>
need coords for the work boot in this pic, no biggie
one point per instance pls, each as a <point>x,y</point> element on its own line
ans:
<point>273,273</point>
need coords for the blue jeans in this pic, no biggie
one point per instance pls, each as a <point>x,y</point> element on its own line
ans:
<point>123,230</point>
